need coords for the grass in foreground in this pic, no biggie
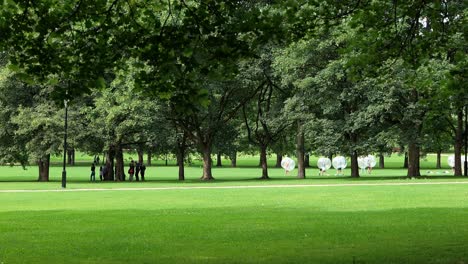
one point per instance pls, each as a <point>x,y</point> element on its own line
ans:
<point>354,224</point>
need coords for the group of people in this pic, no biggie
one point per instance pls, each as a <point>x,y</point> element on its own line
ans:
<point>136,169</point>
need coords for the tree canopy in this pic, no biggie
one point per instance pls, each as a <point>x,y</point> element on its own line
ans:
<point>347,77</point>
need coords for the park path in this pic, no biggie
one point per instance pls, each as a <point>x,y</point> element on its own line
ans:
<point>236,187</point>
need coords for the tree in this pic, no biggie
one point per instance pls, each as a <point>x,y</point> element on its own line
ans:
<point>264,117</point>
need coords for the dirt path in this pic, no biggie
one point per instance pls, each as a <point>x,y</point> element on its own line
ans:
<point>235,187</point>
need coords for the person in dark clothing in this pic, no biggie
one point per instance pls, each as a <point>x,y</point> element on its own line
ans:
<point>93,173</point>
<point>137,171</point>
<point>142,170</point>
<point>131,170</point>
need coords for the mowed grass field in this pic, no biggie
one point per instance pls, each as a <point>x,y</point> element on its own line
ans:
<point>236,218</point>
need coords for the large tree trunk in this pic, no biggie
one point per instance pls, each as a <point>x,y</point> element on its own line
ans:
<point>354,165</point>
<point>110,155</point>
<point>263,161</point>
<point>413,160</point>
<point>307,161</point>
<point>279,158</point>
<point>381,161</point>
<point>71,156</point>
<point>300,150</point>
<point>438,162</point>
<point>43,164</point>
<point>458,144</point>
<point>234,159</point>
<point>207,175</point>
<point>119,164</point>
<point>180,164</point>
<point>218,160</point>
<point>148,160</point>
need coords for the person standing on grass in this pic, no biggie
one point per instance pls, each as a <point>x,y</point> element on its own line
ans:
<point>93,173</point>
<point>142,171</point>
<point>131,170</point>
<point>137,171</point>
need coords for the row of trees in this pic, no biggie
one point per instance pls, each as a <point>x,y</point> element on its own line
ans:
<point>320,77</point>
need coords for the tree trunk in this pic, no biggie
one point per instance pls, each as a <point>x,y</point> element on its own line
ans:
<point>279,158</point>
<point>206,148</point>
<point>71,156</point>
<point>148,161</point>
<point>43,164</point>
<point>413,160</point>
<point>458,144</point>
<point>381,161</point>
<point>109,167</point>
<point>140,155</point>
<point>218,160</point>
<point>405,162</point>
<point>354,165</point>
<point>438,163</point>
<point>234,159</point>
<point>181,147</point>
<point>263,161</point>
<point>119,164</point>
<point>180,164</point>
<point>166,159</point>
<point>300,150</point>
<point>307,161</point>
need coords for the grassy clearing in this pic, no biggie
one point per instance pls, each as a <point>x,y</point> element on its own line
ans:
<point>353,224</point>
<point>333,224</point>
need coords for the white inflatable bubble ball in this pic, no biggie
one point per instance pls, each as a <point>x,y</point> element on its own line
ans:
<point>367,161</point>
<point>324,163</point>
<point>362,162</point>
<point>451,161</point>
<point>339,162</point>
<point>288,164</point>
<point>371,161</point>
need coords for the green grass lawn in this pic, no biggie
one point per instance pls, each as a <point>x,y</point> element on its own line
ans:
<point>347,224</point>
<point>311,224</point>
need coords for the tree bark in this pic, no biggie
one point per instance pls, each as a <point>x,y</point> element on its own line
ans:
<point>180,164</point>
<point>413,160</point>
<point>218,160</point>
<point>300,150</point>
<point>119,164</point>
<point>381,161</point>
<point>307,161</point>
<point>354,165</point>
<point>438,163</point>
<point>234,159</point>
<point>110,155</point>
<point>279,158</point>
<point>181,147</point>
<point>458,144</point>
<point>207,175</point>
<point>263,161</point>
<point>148,160</point>
<point>140,155</point>
<point>43,164</point>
